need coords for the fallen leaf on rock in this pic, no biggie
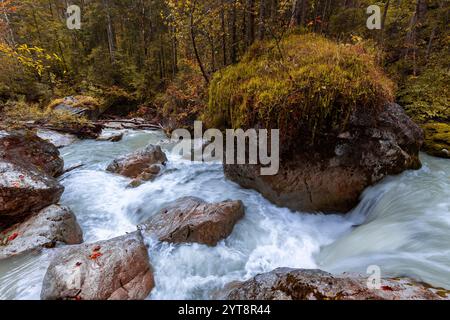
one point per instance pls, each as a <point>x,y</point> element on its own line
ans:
<point>387,288</point>
<point>95,255</point>
<point>13,236</point>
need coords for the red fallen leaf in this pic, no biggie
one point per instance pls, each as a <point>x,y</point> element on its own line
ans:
<point>78,264</point>
<point>95,255</point>
<point>387,288</point>
<point>13,236</point>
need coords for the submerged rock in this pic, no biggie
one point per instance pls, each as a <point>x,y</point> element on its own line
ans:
<point>331,176</point>
<point>27,148</point>
<point>58,139</point>
<point>298,284</point>
<point>24,190</point>
<point>117,269</point>
<point>191,219</point>
<point>142,165</point>
<point>47,228</point>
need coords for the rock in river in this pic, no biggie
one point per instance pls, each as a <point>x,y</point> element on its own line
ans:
<point>24,147</point>
<point>58,139</point>
<point>330,177</point>
<point>191,219</point>
<point>47,228</point>
<point>117,269</point>
<point>142,165</point>
<point>298,284</point>
<point>24,190</point>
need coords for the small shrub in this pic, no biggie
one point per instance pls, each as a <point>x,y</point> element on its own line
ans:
<point>184,98</point>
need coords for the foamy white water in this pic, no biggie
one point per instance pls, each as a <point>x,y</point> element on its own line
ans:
<point>404,225</point>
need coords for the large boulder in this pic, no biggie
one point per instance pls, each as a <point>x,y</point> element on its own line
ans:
<point>142,165</point>
<point>117,269</point>
<point>298,284</point>
<point>24,147</point>
<point>191,219</point>
<point>25,189</point>
<point>47,228</point>
<point>331,177</point>
<point>339,128</point>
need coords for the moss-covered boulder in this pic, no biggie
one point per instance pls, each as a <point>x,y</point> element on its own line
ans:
<point>307,86</point>
<point>340,131</point>
<point>78,105</point>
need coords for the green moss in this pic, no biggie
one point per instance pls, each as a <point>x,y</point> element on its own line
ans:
<point>437,139</point>
<point>87,102</point>
<point>426,97</point>
<point>308,91</point>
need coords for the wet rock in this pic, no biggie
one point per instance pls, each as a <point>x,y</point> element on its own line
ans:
<point>117,269</point>
<point>142,165</point>
<point>111,137</point>
<point>27,148</point>
<point>298,284</point>
<point>330,177</point>
<point>24,190</point>
<point>47,228</point>
<point>191,219</point>
<point>58,139</point>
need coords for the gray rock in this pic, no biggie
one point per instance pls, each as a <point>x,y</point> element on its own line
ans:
<point>24,191</point>
<point>111,137</point>
<point>117,269</point>
<point>298,284</point>
<point>58,139</point>
<point>191,219</point>
<point>47,228</point>
<point>140,165</point>
<point>25,149</point>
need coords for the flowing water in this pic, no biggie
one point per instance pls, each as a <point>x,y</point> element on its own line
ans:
<point>402,225</point>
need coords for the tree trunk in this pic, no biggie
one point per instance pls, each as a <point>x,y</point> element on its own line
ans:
<point>8,25</point>
<point>194,44</point>
<point>233,33</point>
<point>262,19</point>
<point>386,9</point>
<point>224,33</point>
<point>421,10</point>
<point>110,32</point>
<point>250,22</point>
